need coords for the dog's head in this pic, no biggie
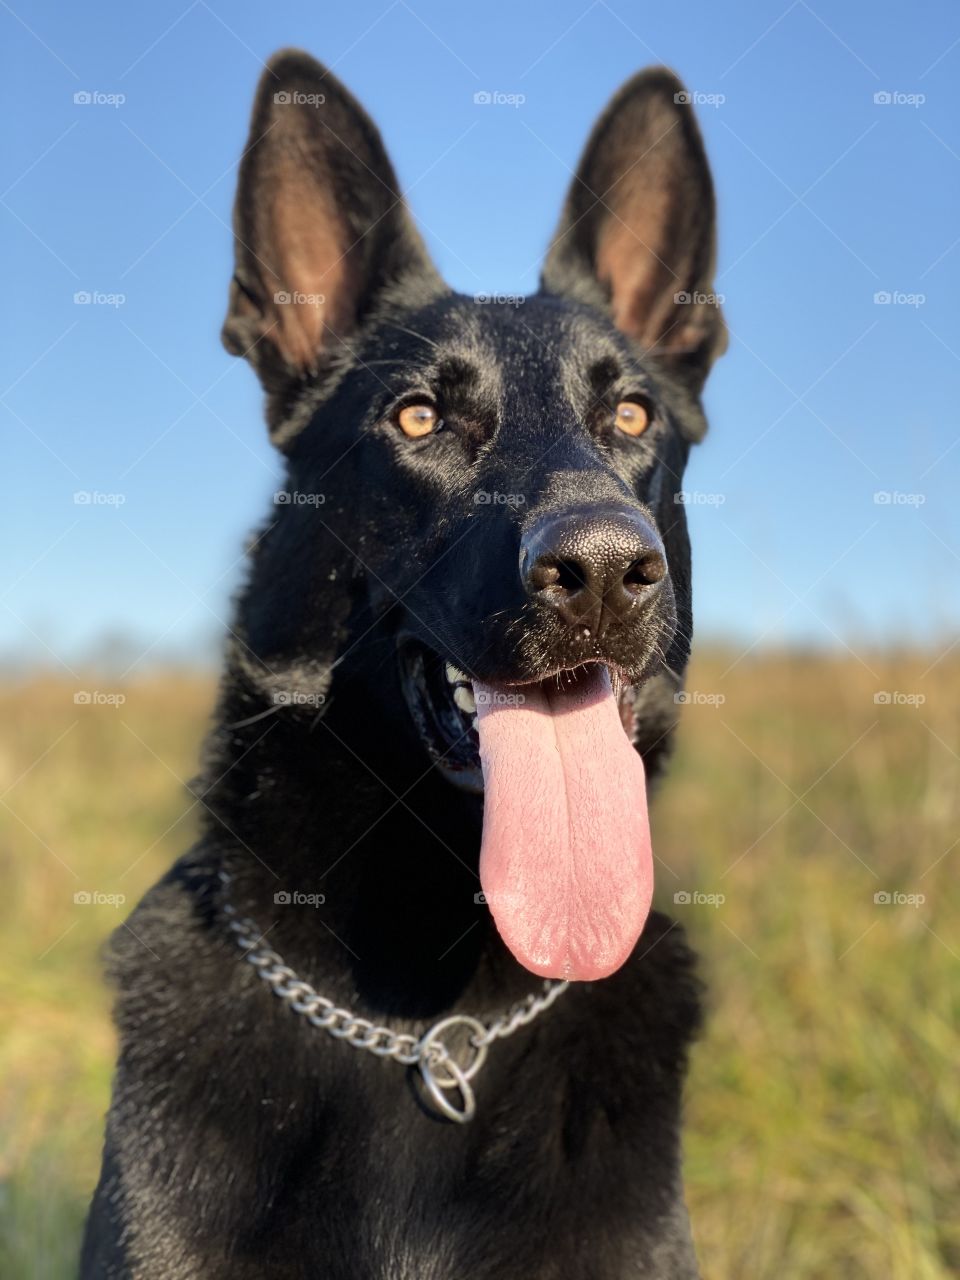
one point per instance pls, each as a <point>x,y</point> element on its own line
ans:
<point>488,488</point>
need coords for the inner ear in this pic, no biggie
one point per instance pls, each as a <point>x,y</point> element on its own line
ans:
<point>637,234</point>
<point>314,297</point>
<point>320,228</point>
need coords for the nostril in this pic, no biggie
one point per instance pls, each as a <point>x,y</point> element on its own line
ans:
<point>565,575</point>
<point>646,571</point>
<point>570,576</point>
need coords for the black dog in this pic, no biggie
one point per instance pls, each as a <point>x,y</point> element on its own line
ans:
<point>481,561</point>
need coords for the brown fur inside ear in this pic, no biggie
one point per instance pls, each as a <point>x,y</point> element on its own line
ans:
<point>634,264</point>
<point>312,273</point>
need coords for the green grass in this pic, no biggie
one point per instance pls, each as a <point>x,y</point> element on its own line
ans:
<point>822,1114</point>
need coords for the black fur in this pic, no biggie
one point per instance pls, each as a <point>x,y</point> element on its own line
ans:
<point>241,1142</point>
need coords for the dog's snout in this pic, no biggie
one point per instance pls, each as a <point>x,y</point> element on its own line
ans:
<point>592,567</point>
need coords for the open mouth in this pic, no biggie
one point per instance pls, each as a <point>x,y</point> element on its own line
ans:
<point>443,705</point>
<point>443,701</point>
<point>566,864</point>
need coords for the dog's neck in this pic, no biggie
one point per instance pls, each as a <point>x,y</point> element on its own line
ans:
<point>299,807</point>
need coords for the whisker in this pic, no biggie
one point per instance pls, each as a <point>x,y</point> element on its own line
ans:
<point>391,324</point>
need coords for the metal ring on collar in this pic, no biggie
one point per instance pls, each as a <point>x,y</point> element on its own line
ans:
<point>440,1100</point>
<point>442,1073</point>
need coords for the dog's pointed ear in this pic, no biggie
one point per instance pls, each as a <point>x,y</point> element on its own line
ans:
<point>637,234</point>
<point>320,227</point>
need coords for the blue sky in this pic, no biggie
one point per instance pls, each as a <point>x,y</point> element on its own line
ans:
<point>828,197</point>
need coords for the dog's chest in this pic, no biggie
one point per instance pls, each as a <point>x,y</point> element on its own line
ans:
<point>553,1179</point>
<point>250,1145</point>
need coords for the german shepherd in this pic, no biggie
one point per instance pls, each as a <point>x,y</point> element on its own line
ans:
<point>404,1012</point>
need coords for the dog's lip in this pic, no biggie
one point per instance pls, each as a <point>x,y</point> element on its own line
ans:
<point>619,675</point>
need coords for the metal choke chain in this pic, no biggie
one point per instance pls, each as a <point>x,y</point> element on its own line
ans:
<point>442,1073</point>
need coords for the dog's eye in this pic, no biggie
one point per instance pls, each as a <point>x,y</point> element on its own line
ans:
<point>632,418</point>
<point>416,420</point>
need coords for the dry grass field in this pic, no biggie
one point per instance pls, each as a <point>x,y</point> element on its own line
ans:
<point>822,1117</point>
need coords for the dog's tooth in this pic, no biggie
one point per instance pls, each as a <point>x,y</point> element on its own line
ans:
<point>455,675</point>
<point>473,721</point>
<point>465,700</point>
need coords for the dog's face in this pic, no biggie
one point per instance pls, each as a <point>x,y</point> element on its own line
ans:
<point>488,489</point>
<point>520,468</point>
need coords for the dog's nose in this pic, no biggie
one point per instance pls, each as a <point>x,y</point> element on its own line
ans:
<point>593,567</point>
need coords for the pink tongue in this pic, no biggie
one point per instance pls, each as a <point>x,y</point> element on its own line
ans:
<point>566,864</point>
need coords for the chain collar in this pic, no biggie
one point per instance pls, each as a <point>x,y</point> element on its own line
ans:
<point>445,1071</point>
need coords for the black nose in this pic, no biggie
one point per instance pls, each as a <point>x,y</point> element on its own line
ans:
<point>594,566</point>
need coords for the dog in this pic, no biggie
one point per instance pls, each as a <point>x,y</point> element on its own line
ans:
<point>404,1012</point>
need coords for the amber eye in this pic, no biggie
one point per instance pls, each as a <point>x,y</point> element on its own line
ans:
<point>632,418</point>
<point>418,420</point>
